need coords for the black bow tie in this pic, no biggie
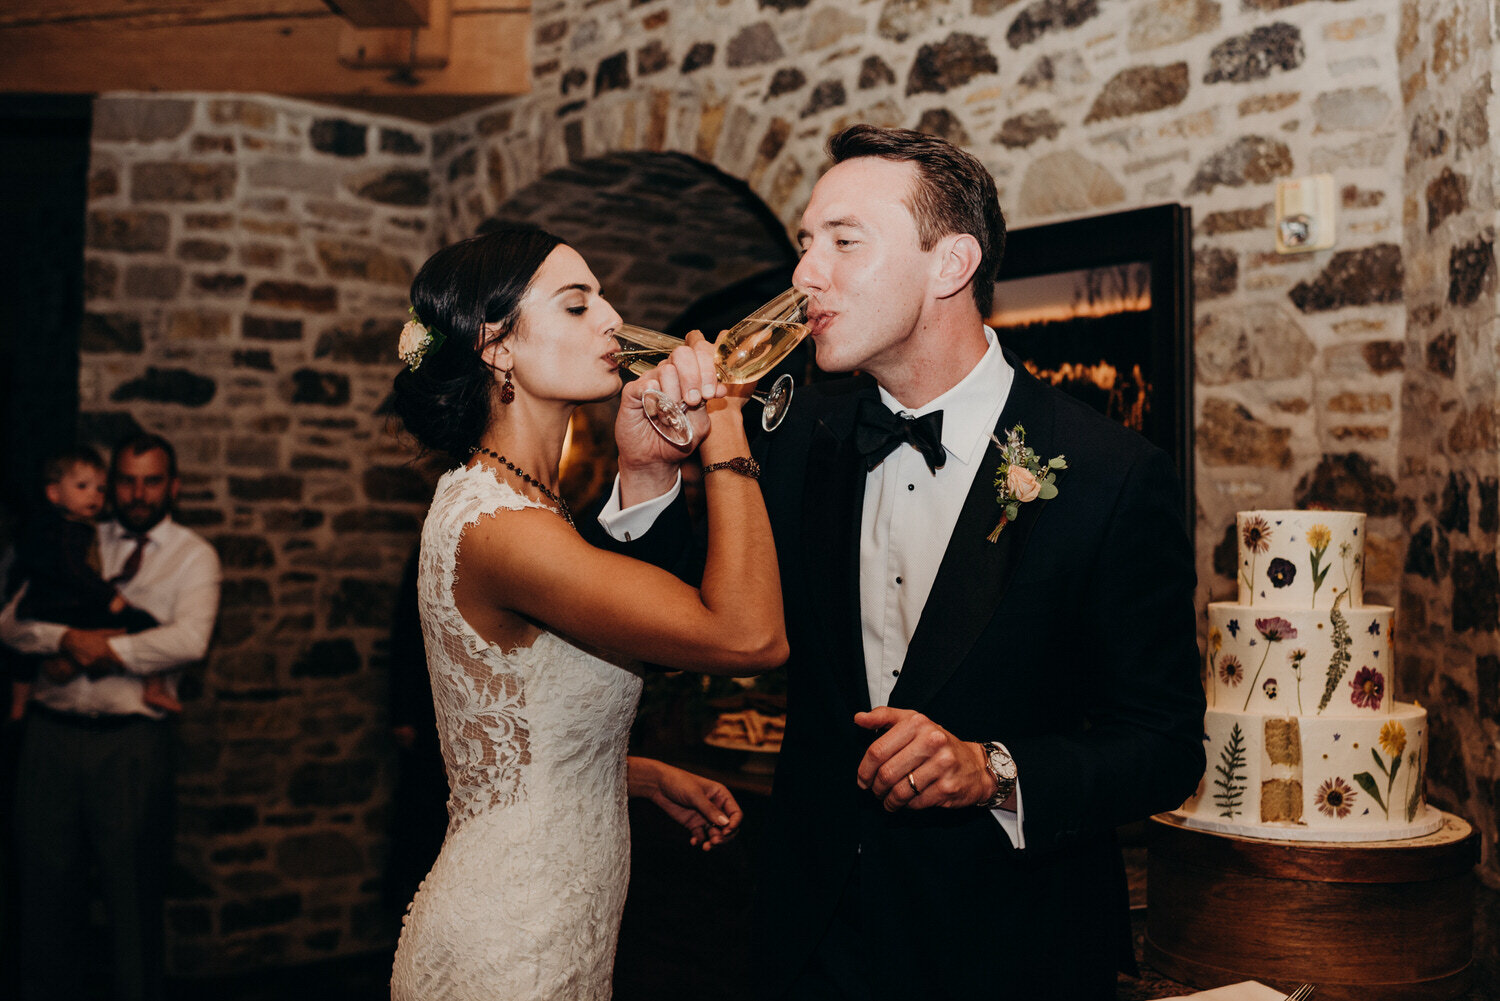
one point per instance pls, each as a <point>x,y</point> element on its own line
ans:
<point>877,432</point>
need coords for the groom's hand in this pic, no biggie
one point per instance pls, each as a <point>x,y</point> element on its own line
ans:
<point>915,764</point>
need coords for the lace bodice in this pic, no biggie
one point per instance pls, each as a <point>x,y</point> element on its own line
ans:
<point>524,901</point>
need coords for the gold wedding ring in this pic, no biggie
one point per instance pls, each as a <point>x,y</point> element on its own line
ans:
<point>913,783</point>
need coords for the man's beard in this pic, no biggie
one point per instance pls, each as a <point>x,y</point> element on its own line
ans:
<point>141,517</point>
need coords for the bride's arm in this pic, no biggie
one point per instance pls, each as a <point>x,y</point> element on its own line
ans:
<point>532,564</point>
<point>703,806</point>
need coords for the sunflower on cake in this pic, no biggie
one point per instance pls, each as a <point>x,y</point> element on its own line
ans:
<point>1305,738</point>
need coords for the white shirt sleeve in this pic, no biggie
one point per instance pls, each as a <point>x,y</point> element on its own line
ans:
<point>185,634</point>
<point>26,635</point>
<point>1010,821</point>
<point>622,525</point>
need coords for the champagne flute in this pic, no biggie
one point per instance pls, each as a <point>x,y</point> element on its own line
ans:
<point>744,353</point>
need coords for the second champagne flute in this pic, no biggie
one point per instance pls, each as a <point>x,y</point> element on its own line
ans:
<point>742,354</point>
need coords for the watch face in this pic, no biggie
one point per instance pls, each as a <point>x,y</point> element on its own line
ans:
<point>1003,764</point>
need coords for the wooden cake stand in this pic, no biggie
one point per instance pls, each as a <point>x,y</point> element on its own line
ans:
<point>1365,921</point>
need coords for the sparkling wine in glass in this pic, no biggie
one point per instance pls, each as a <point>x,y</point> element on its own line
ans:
<point>743,353</point>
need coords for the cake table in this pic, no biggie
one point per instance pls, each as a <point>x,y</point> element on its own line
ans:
<point>1372,921</point>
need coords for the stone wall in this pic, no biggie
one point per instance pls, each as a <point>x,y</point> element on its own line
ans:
<point>1449,475</point>
<point>250,255</point>
<point>247,263</point>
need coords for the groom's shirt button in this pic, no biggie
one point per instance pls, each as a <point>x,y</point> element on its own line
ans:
<point>898,580</point>
<point>911,486</point>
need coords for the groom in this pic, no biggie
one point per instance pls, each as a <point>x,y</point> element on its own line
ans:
<point>969,718</point>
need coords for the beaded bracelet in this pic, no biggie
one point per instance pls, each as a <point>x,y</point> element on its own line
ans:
<point>743,465</point>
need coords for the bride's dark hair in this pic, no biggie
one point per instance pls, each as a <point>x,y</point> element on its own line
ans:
<point>445,403</point>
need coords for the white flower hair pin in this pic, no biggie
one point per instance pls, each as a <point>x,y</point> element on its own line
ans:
<point>417,339</point>
<point>1022,477</point>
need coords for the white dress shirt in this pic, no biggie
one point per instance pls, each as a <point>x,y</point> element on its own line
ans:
<point>905,525</point>
<point>907,522</point>
<point>177,583</point>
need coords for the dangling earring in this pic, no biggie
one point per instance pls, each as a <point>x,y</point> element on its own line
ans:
<point>507,391</point>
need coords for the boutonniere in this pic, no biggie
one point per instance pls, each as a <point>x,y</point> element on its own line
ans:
<point>1022,477</point>
<point>417,339</point>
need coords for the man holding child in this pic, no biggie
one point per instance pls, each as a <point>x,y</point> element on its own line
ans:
<point>96,780</point>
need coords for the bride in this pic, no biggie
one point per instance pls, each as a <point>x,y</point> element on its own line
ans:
<point>533,635</point>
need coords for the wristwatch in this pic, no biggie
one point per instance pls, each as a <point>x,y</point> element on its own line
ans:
<point>1002,768</point>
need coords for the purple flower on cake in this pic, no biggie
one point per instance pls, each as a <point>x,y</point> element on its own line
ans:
<point>1233,625</point>
<point>1369,688</point>
<point>1230,671</point>
<point>1298,656</point>
<point>1257,534</point>
<point>1281,572</point>
<point>1335,798</point>
<point>1375,628</point>
<point>1269,687</point>
<point>1275,629</point>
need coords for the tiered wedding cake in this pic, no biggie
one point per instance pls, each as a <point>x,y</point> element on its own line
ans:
<point>1305,738</point>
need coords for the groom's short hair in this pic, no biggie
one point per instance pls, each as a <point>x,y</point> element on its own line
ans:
<point>954,193</point>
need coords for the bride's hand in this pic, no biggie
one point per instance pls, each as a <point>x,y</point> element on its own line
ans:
<point>687,375</point>
<point>705,807</point>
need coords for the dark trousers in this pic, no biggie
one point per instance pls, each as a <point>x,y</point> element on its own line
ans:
<point>841,966</point>
<point>93,801</point>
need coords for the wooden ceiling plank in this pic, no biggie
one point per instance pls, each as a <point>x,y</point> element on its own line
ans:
<point>19,13</point>
<point>280,56</point>
<point>384,13</point>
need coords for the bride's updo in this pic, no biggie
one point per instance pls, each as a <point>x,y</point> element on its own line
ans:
<point>445,402</point>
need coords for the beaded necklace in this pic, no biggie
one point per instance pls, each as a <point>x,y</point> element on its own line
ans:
<point>562,505</point>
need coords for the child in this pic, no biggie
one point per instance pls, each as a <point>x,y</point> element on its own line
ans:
<point>59,559</point>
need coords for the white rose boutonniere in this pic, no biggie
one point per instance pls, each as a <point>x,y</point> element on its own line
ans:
<point>1022,477</point>
<point>416,340</point>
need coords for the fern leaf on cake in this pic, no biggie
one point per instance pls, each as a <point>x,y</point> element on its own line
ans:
<point>1338,664</point>
<point>1231,782</point>
<point>1414,776</point>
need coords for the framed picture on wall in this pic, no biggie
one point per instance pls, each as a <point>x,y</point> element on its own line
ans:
<point>1102,308</point>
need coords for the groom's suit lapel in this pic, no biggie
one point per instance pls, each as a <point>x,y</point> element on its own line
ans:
<point>975,572</point>
<point>833,499</point>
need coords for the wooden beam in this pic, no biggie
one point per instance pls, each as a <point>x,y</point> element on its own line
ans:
<point>411,49</point>
<point>383,13</point>
<point>279,55</point>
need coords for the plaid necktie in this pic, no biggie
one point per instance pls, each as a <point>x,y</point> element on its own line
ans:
<point>133,561</point>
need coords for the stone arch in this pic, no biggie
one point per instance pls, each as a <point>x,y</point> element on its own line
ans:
<point>660,230</point>
<point>670,238</point>
<point>494,154</point>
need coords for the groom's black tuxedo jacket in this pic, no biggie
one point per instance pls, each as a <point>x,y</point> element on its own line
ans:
<point>1071,640</point>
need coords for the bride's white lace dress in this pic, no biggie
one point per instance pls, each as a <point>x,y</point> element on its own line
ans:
<point>524,901</point>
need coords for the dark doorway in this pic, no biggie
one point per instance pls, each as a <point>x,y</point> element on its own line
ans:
<point>44,158</point>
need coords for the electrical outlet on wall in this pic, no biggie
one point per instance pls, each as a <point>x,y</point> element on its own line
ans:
<point>1305,214</point>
